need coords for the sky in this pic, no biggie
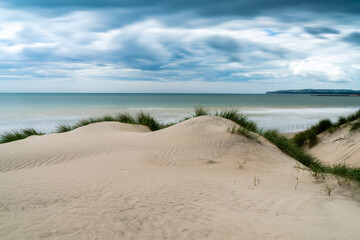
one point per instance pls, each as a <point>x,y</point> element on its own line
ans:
<point>178,46</point>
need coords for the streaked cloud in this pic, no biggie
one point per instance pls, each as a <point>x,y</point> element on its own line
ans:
<point>258,44</point>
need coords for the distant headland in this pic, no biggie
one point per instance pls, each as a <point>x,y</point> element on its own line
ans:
<point>319,92</point>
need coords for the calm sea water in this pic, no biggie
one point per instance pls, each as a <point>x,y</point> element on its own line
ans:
<point>286,113</point>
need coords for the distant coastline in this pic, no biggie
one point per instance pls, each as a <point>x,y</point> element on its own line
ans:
<point>319,92</point>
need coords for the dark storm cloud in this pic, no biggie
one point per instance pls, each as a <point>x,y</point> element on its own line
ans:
<point>316,31</point>
<point>208,7</point>
<point>225,44</point>
<point>353,38</point>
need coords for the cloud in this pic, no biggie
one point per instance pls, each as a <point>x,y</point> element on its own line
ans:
<point>319,31</point>
<point>353,38</point>
<point>118,41</point>
<point>205,7</point>
<point>320,70</point>
<point>225,44</point>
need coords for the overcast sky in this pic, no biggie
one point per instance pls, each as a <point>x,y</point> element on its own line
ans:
<point>185,46</point>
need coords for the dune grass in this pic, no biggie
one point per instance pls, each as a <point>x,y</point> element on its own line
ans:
<point>200,111</point>
<point>245,132</point>
<point>231,114</point>
<point>18,135</point>
<point>355,125</point>
<point>63,128</point>
<point>345,171</point>
<point>242,120</point>
<point>84,122</point>
<point>141,118</point>
<point>349,118</point>
<point>291,149</point>
<point>146,120</point>
<point>125,118</point>
<point>309,136</point>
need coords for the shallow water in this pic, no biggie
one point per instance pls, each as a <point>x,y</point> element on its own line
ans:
<point>287,113</point>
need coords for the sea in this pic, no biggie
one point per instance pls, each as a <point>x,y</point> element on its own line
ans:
<point>286,113</point>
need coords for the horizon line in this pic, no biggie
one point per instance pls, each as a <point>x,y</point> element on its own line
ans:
<point>119,93</point>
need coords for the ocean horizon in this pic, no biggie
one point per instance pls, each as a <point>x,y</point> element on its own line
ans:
<point>286,113</point>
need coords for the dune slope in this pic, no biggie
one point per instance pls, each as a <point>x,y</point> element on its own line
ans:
<point>339,147</point>
<point>194,180</point>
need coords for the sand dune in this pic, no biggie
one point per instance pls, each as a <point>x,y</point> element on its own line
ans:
<point>339,147</point>
<point>119,181</point>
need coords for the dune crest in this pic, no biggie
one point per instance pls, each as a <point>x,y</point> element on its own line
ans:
<point>194,180</point>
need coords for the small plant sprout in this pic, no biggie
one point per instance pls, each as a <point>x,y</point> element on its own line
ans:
<point>328,190</point>
<point>242,164</point>
<point>256,181</point>
<point>297,182</point>
<point>338,180</point>
<point>317,175</point>
<point>232,129</point>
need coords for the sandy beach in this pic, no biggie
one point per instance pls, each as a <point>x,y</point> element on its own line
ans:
<point>193,180</point>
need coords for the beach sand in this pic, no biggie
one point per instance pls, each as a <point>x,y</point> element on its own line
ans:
<point>194,180</point>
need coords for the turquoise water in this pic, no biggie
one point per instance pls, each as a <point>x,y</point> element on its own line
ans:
<point>284,112</point>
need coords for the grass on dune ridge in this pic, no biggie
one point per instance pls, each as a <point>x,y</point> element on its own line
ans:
<point>154,125</point>
<point>200,111</point>
<point>348,118</point>
<point>231,114</point>
<point>18,135</point>
<point>355,125</point>
<point>291,147</point>
<point>141,118</point>
<point>309,136</point>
